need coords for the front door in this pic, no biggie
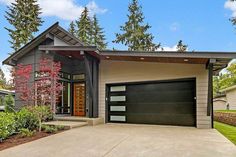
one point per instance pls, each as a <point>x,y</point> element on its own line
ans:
<point>79,99</point>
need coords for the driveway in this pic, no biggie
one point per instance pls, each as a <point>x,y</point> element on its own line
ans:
<point>126,140</point>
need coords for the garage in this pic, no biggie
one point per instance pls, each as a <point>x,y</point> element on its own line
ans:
<point>170,102</point>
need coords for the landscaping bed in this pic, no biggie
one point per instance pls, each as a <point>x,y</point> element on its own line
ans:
<point>26,125</point>
<point>17,139</point>
<point>227,117</point>
<point>227,130</point>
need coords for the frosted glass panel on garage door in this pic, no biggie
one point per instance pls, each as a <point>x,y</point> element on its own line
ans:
<point>117,98</point>
<point>118,88</point>
<point>118,118</point>
<point>117,108</point>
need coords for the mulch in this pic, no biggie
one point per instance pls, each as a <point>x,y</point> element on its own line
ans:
<point>15,140</point>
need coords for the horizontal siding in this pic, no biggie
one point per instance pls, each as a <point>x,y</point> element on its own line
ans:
<point>128,71</point>
<point>231,99</point>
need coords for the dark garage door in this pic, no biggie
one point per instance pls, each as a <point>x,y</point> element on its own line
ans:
<point>164,102</point>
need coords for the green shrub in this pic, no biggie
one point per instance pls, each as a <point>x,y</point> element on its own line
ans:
<point>60,127</point>
<point>26,132</point>
<point>42,113</point>
<point>26,119</point>
<point>49,129</point>
<point>7,124</point>
<point>9,103</point>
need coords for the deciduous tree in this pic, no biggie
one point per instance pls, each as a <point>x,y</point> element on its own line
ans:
<point>23,87</point>
<point>48,87</point>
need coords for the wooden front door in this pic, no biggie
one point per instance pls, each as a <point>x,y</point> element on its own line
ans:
<point>79,99</point>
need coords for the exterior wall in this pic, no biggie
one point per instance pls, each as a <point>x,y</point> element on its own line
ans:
<point>59,42</point>
<point>219,103</point>
<point>130,71</point>
<point>32,58</point>
<point>231,99</point>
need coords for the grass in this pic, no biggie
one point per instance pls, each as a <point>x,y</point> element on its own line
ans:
<point>227,130</point>
<point>226,111</point>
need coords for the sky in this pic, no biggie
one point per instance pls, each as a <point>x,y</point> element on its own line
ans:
<point>203,24</point>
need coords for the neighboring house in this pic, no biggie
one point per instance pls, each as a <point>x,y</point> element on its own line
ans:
<point>220,102</point>
<point>3,93</point>
<point>230,95</point>
<point>169,88</point>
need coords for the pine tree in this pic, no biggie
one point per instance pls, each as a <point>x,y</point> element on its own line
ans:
<point>98,37</point>
<point>2,79</point>
<point>23,15</point>
<point>181,47</point>
<point>84,27</point>
<point>135,33</point>
<point>72,29</point>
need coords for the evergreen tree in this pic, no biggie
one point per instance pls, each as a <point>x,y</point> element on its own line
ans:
<point>181,47</point>
<point>98,37</point>
<point>23,15</point>
<point>135,34</point>
<point>2,79</point>
<point>84,27</point>
<point>72,29</point>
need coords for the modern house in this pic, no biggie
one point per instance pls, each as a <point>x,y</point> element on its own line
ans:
<point>169,88</point>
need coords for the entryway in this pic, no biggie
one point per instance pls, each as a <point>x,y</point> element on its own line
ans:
<point>79,99</point>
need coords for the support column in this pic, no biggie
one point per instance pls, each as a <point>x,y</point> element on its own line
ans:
<point>91,68</point>
<point>210,90</point>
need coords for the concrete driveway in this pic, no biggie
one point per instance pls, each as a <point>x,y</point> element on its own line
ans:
<point>126,140</point>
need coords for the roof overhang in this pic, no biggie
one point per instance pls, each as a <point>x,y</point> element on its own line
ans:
<point>54,30</point>
<point>221,59</point>
<point>71,51</point>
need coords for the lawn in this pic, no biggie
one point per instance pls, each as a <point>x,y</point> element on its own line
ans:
<point>227,130</point>
<point>226,111</point>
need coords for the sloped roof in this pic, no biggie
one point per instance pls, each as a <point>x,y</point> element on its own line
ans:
<point>55,30</point>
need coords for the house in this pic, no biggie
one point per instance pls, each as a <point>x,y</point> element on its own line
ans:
<point>220,102</point>
<point>230,97</point>
<point>169,88</point>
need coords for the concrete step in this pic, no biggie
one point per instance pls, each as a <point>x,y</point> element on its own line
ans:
<point>70,124</point>
<point>90,121</point>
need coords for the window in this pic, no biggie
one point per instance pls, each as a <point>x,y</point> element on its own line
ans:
<point>79,77</point>
<point>63,101</point>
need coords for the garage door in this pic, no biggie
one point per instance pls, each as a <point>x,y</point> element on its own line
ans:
<point>164,102</point>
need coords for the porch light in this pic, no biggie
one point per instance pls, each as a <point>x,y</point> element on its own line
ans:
<point>107,57</point>
<point>70,56</point>
<point>141,58</point>
<point>186,60</point>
